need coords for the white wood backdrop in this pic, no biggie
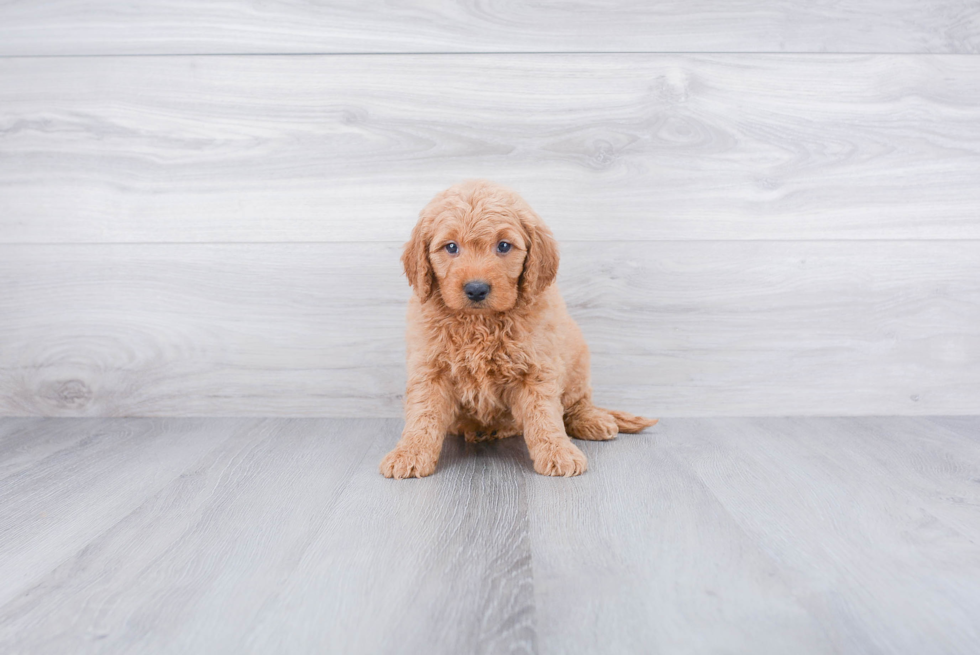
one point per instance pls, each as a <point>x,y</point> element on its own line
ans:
<point>744,231</point>
<point>349,148</point>
<point>70,27</point>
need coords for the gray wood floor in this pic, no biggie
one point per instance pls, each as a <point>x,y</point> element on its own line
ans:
<point>798,535</point>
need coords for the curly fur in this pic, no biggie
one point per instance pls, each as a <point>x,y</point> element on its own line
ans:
<point>513,363</point>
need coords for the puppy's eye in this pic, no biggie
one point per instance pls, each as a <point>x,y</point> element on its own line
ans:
<point>452,248</point>
<point>503,247</point>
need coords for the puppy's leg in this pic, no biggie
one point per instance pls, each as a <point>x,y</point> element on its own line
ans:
<point>428,415</point>
<point>583,420</point>
<point>551,450</point>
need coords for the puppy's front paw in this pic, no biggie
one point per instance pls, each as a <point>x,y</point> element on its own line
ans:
<point>406,462</point>
<point>560,458</point>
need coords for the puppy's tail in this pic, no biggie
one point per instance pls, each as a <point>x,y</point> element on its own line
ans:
<point>630,423</point>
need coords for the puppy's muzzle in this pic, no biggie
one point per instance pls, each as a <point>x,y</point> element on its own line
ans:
<point>477,290</point>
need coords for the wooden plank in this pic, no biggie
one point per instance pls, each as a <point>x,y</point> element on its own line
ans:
<point>638,556</point>
<point>962,425</point>
<point>710,328</point>
<point>879,571</point>
<point>822,328</point>
<point>197,560</point>
<point>924,461</point>
<point>443,564</point>
<point>25,441</point>
<point>51,510</point>
<point>124,330</point>
<point>293,525</point>
<point>186,27</point>
<point>605,147</point>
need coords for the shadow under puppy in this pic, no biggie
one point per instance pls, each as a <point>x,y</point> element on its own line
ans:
<point>492,351</point>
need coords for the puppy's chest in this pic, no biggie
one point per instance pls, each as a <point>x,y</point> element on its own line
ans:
<point>483,365</point>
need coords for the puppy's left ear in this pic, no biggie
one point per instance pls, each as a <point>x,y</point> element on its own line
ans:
<point>415,259</point>
<point>541,262</point>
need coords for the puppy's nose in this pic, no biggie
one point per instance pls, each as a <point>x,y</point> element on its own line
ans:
<point>476,291</point>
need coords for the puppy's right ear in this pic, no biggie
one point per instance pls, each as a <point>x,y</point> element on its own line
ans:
<point>415,259</point>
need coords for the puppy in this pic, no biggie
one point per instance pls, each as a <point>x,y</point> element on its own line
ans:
<point>492,351</point>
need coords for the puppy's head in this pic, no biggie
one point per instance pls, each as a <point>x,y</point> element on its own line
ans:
<point>480,248</point>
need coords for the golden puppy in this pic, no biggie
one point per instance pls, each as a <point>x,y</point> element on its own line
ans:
<point>492,351</point>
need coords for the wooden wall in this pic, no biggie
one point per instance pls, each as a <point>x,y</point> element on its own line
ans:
<point>764,208</point>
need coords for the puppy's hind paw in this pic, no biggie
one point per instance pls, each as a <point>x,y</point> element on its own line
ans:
<point>477,436</point>
<point>404,462</point>
<point>593,425</point>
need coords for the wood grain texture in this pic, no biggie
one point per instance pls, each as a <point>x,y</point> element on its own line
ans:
<point>188,557</point>
<point>203,330</point>
<point>869,534</point>
<point>638,556</point>
<point>70,496</point>
<point>443,564</point>
<point>961,425</point>
<point>767,536</point>
<point>187,27</point>
<point>910,456</point>
<point>713,328</point>
<point>290,524</point>
<point>605,147</point>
